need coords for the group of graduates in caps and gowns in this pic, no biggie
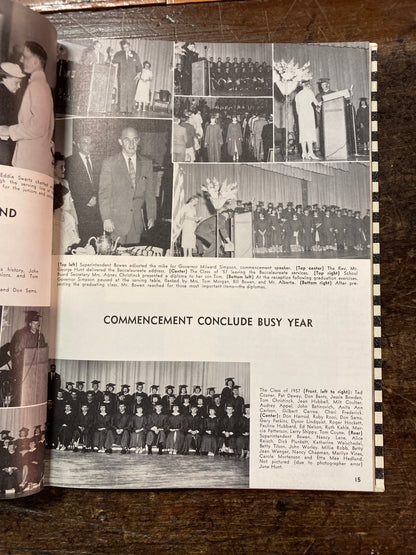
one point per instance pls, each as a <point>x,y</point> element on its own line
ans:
<point>21,460</point>
<point>310,228</point>
<point>101,421</point>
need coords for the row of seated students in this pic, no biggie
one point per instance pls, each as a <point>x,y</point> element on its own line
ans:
<point>212,424</point>
<point>21,460</point>
<point>310,228</point>
<point>240,76</point>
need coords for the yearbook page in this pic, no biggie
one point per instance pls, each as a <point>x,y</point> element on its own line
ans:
<point>27,73</point>
<point>212,291</point>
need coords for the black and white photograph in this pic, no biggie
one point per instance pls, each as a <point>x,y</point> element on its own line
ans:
<point>223,129</point>
<point>24,333</point>
<point>133,424</point>
<point>208,69</point>
<point>303,210</point>
<point>322,101</point>
<point>112,187</point>
<point>27,74</point>
<point>126,77</point>
<point>22,450</point>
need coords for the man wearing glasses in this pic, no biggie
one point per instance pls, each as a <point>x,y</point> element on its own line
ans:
<point>126,188</point>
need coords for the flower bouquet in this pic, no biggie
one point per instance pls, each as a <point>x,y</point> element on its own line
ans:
<point>288,75</point>
<point>219,193</point>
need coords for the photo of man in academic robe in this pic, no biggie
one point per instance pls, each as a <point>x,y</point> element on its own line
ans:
<point>126,187</point>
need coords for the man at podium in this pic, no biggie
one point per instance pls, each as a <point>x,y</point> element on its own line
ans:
<point>29,337</point>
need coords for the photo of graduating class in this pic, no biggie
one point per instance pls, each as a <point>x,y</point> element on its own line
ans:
<point>303,210</point>
<point>223,130</point>
<point>116,77</point>
<point>207,69</point>
<point>322,100</point>
<point>112,187</point>
<point>22,450</point>
<point>24,352</point>
<point>123,419</point>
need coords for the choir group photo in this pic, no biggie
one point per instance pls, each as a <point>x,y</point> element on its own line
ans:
<point>207,69</point>
<point>24,352</point>
<point>115,77</point>
<point>159,424</point>
<point>22,449</point>
<point>112,187</point>
<point>303,210</point>
<point>322,101</point>
<point>223,130</point>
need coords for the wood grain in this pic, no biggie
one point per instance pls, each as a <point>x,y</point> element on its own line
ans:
<point>185,521</point>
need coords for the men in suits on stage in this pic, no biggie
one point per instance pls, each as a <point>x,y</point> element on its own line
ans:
<point>82,174</point>
<point>129,65</point>
<point>126,187</point>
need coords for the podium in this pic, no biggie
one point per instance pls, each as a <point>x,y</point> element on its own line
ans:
<point>334,126</point>
<point>243,235</point>
<point>34,379</point>
<point>200,78</point>
<point>93,88</point>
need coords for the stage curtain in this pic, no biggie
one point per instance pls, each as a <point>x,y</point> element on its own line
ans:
<point>342,64</point>
<point>14,419</point>
<point>205,374</point>
<point>343,184</point>
<point>257,52</point>
<point>158,53</point>
<point>347,189</point>
<point>254,183</point>
<point>14,318</point>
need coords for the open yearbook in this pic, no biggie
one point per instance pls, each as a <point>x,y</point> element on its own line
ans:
<point>189,263</point>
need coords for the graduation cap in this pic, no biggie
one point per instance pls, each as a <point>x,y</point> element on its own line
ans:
<point>79,382</point>
<point>154,387</point>
<point>182,386</point>
<point>95,382</point>
<point>111,385</point>
<point>69,383</point>
<point>323,80</point>
<point>32,316</point>
<point>197,387</point>
<point>217,396</point>
<point>228,379</point>
<point>125,385</point>
<point>169,387</point>
<point>140,383</point>
<point>90,392</point>
<point>24,430</point>
<point>186,397</point>
<point>236,386</point>
<point>211,389</point>
<point>5,433</point>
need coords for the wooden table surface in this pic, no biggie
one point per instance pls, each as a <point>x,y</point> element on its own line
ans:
<point>74,521</point>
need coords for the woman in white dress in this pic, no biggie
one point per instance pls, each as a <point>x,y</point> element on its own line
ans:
<point>190,221</point>
<point>144,78</point>
<point>305,101</point>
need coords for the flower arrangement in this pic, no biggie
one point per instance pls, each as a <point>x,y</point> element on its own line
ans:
<point>219,193</point>
<point>288,75</point>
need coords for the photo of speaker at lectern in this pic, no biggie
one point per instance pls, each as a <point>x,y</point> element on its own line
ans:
<point>208,69</point>
<point>304,210</point>
<point>321,101</point>
<point>23,355</point>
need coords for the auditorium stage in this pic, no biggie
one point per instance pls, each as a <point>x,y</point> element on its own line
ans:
<point>142,471</point>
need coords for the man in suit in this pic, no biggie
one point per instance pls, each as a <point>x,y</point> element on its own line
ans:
<point>33,132</point>
<point>92,54</point>
<point>129,65</point>
<point>126,186</point>
<point>81,172</point>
